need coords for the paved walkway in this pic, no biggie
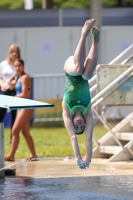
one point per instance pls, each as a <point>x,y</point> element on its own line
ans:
<point>61,168</point>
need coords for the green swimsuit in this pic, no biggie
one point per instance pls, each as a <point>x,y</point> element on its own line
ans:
<point>76,93</point>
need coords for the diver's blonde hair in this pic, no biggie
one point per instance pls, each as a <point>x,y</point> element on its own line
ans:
<point>9,51</point>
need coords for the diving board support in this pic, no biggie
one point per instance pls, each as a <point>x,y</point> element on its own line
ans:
<point>2,173</point>
<point>15,103</point>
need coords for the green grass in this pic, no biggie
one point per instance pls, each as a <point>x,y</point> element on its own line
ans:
<point>50,142</point>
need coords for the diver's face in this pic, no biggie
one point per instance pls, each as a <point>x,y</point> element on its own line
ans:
<point>79,124</point>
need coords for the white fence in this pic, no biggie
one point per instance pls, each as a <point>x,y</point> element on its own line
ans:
<point>49,88</point>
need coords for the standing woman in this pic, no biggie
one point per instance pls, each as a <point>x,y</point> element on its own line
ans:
<point>76,101</point>
<point>22,83</point>
<point>6,71</point>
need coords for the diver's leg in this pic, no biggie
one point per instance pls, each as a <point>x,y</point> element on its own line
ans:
<point>91,60</point>
<point>75,64</point>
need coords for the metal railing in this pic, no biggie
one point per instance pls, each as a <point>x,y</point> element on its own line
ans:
<point>127,60</point>
<point>112,86</point>
<point>124,55</point>
<point>48,88</point>
<point>123,58</point>
<point>107,91</point>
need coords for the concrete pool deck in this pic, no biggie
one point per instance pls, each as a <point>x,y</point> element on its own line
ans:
<point>63,180</point>
<point>60,168</point>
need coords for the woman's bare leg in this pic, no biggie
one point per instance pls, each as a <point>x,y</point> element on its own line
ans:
<point>91,60</point>
<point>29,140</point>
<point>21,119</point>
<point>75,64</point>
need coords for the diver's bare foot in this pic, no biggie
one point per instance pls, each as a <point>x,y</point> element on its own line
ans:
<point>87,26</point>
<point>96,33</point>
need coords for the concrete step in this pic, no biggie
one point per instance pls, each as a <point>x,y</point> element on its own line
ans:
<point>125,136</point>
<point>109,149</point>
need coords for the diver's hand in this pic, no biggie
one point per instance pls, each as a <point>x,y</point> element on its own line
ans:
<point>81,164</point>
<point>87,164</point>
<point>86,161</point>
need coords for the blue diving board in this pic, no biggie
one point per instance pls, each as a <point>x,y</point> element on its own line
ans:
<point>16,103</point>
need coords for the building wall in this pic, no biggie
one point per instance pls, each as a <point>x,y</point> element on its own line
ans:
<point>45,50</point>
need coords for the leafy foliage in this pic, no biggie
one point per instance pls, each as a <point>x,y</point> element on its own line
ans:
<point>71,4</point>
<point>107,3</point>
<point>10,4</point>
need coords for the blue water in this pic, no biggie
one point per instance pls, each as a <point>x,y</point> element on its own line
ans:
<point>67,188</point>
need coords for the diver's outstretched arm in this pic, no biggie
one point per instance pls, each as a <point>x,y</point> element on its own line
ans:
<point>70,129</point>
<point>89,132</point>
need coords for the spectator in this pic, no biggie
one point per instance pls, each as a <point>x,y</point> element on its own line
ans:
<point>22,83</point>
<point>6,71</point>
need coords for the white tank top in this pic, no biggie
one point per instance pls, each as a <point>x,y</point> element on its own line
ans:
<point>6,71</point>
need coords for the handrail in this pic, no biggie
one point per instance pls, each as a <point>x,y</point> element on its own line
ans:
<point>120,56</point>
<point>128,153</point>
<point>127,59</point>
<point>93,88</point>
<point>92,79</point>
<point>111,91</point>
<point>115,61</point>
<point>95,98</point>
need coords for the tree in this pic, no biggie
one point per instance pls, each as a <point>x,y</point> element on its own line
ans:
<point>47,3</point>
